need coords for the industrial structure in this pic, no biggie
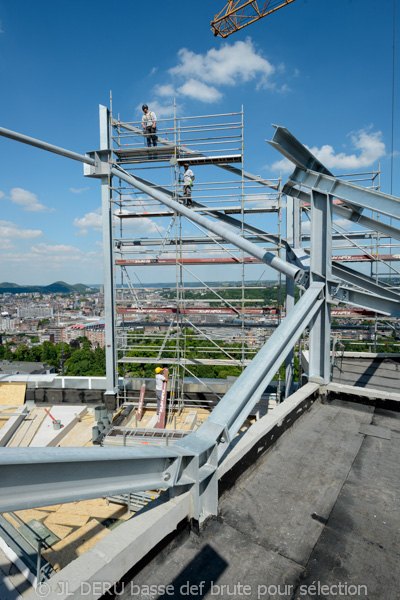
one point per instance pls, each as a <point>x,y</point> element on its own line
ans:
<point>190,467</point>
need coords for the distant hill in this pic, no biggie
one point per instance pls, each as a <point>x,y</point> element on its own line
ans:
<point>58,287</point>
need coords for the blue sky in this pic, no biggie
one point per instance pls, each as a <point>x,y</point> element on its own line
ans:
<point>322,69</point>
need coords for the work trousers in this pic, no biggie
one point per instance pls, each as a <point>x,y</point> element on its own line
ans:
<point>158,395</point>
<point>150,133</point>
<point>187,195</point>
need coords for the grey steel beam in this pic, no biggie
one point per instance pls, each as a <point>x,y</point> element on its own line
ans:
<point>364,282</point>
<point>238,241</point>
<point>32,477</point>
<point>368,222</point>
<point>352,215</point>
<point>264,236</point>
<point>291,148</point>
<point>230,413</point>
<point>351,194</point>
<point>19,137</point>
<point>378,304</point>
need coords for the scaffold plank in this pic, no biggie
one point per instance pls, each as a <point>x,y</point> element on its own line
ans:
<point>183,361</point>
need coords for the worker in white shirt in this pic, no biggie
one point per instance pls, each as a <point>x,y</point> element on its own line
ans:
<point>160,378</point>
<point>188,178</point>
<point>149,124</point>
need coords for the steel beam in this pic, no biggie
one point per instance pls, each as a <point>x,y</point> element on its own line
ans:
<point>266,257</point>
<point>295,151</point>
<point>352,215</point>
<point>19,137</point>
<point>32,477</point>
<point>230,413</point>
<point>379,304</point>
<point>349,193</point>
<point>263,235</point>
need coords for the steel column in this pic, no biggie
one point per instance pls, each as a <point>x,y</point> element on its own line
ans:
<point>108,261</point>
<point>293,238</point>
<point>321,271</point>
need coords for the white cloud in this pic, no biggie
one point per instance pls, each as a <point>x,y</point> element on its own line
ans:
<point>229,65</point>
<point>28,200</point>
<point>51,249</point>
<point>11,232</point>
<point>91,220</point>
<point>166,90</point>
<point>78,190</point>
<point>199,91</point>
<point>369,145</point>
<point>161,110</point>
<point>140,225</point>
<point>199,76</point>
<point>2,194</point>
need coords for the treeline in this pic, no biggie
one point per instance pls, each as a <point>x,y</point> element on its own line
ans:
<point>193,347</point>
<point>268,294</point>
<point>76,358</point>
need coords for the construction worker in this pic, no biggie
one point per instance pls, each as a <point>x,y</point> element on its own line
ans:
<point>188,178</point>
<point>160,378</point>
<point>149,124</point>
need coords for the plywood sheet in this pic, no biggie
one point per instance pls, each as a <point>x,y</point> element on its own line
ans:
<point>12,393</point>
<point>32,513</point>
<point>64,518</point>
<point>96,508</point>
<point>78,542</point>
<point>60,530</point>
<point>80,434</point>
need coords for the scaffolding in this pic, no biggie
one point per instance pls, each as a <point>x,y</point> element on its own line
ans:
<point>164,325</point>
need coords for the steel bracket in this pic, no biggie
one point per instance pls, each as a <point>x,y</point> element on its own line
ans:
<point>102,166</point>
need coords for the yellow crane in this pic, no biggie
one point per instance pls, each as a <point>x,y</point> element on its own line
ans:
<point>239,13</point>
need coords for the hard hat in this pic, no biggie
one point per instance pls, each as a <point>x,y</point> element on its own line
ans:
<point>185,164</point>
<point>158,369</point>
<point>144,106</point>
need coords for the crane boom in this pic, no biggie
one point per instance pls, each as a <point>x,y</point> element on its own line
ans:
<point>239,13</point>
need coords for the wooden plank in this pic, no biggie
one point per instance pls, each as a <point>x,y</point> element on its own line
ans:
<point>12,393</point>
<point>28,429</point>
<point>74,545</point>
<point>12,425</point>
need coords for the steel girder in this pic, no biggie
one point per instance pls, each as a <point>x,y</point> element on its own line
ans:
<point>33,477</point>
<point>352,215</point>
<point>349,193</point>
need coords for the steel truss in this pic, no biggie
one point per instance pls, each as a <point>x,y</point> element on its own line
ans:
<point>36,477</point>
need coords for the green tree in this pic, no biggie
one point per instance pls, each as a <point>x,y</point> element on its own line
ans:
<point>49,354</point>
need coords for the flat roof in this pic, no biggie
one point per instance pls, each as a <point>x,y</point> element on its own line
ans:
<point>317,515</point>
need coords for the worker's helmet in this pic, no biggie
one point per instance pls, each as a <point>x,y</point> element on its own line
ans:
<point>158,369</point>
<point>144,106</point>
<point>185,164</point>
